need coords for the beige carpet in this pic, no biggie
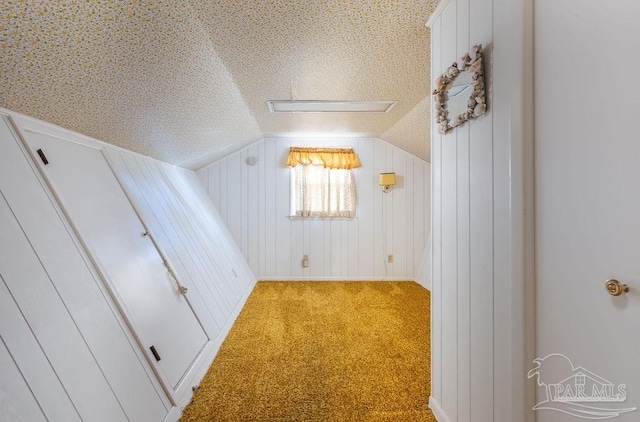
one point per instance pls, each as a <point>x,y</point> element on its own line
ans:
<point>322,351</point>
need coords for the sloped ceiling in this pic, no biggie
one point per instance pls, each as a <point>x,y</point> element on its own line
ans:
<point>188,81</point>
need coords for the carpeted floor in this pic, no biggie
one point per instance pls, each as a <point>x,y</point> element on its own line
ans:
<point>322,351</point>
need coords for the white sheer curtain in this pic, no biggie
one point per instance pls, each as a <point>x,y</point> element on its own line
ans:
<point>323,192</point>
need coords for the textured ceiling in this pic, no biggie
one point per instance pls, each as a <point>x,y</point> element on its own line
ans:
<point>188,81</point>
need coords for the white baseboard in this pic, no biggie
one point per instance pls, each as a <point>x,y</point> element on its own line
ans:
<point>437,410</point>
<point>173,415</point>
<point>176,412</point>
<point>425,284</point>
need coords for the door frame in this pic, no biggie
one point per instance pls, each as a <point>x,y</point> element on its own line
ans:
<point>513,35</point>
<point>515,27</point>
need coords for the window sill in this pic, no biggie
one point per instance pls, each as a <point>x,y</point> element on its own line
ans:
<point>299,217</point>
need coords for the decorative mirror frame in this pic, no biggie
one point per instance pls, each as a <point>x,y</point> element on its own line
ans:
<point>477,103</point>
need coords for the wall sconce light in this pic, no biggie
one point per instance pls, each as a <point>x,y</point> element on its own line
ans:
<point>387,180</point>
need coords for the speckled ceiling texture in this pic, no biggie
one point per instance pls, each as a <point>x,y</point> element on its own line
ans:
<point>188,81</point>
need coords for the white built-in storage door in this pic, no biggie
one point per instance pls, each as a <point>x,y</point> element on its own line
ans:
<point>105,220</point>
<point>65,354</point>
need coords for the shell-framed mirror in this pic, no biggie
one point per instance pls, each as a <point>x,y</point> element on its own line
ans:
<point>460,91</point>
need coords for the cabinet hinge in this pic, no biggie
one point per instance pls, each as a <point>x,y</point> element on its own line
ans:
<point>43,157</point>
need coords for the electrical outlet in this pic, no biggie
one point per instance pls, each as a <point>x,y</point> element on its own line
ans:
<point>390,259</point>
<point>305,261</point>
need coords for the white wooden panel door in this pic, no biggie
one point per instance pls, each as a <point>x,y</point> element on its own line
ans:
<point>110,228</point>
<point>587,198</point>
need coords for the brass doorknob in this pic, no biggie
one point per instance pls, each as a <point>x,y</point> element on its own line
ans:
<point>615,288</point>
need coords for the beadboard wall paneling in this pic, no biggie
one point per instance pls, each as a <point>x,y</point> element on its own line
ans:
<point>478,332</point>
<point>254,203</point>
<point>175,207</point>
<point>58,323</point>
<point>18,403</point>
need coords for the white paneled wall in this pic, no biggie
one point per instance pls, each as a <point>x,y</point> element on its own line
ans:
<point>66,352</point>
<point>172,203</point>
<point>478,363</point>
<point>57,322</point>
<point>254,203</point>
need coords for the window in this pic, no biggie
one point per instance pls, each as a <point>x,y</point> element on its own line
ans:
<point>322,192</point>
<point>322,182</point>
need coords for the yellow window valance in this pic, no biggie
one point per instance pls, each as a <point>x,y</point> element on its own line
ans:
<point>333,158</point>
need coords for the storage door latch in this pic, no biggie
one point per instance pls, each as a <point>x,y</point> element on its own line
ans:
<point>155,353</point>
